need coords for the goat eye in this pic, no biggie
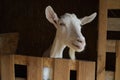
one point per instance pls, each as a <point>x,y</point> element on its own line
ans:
<point>62,24</point>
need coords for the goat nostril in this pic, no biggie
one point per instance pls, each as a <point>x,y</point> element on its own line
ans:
<point>79,41</point>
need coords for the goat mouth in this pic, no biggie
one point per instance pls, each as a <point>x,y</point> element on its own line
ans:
<point>76,45</point>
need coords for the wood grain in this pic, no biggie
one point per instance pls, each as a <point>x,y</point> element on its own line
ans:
<point>61,69</point>
<point>7,67</point>
<point>117,71</point>
<point>86,71</point>
<point>34,68</point>
<point>113,24</point>
<point>111,46</point>
<point>113,4</point>
<point>102,34</point>
<point>110,75</point>
<point>19,59</point>
<point>8,45</point>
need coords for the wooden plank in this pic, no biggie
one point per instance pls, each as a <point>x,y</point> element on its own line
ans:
<point>117,71</point>
<point>86,70</point>
<point>111,46</point>
<point>8,45</point>
<point>19,59</point>
<point>113,24</point>
<point>102,34</point>
<point>73,64</point>
<point>61,69</point>
<point>34,68</point>
<point>7,67</point>
<point>113,4</point>
<point>110,75</point>
<point>49,63</point>
<point>18,78</point>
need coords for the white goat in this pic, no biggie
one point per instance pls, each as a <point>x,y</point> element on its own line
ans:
<point>68,34</point>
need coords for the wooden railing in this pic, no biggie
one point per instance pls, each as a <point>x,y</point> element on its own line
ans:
<point>60,68</point>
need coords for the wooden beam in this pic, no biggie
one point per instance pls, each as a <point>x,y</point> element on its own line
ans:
<point>102,34</point>
<point>113,24</point>
<point>110,75</point>
<point>113,4</point>
<point>61,69</point>
<point>117,70</point>
<point>19,59</point>
<point>18,78</point>
<point>111,46</point>
<point>73,64</point>
<point>7,67</point>
<point>8,45</point>
<point>34,68</point>
<point>86,70</point>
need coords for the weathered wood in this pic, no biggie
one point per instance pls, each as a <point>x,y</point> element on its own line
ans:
<point>61,69</point>
<point>113,24</point>
<point>86,71</point>
<point>59,66</point>
<point>7,67</point>
<point>110,75</point>
<point>111,45</point>
<point>18,78</point>
<point>102,34</point>
<point>34,68</point>
<point>117,71</point>
<point>73,64</point>
<point>113,4</point>
<point>19,59</point>
<point>48,62</point>
<point>8,45</point>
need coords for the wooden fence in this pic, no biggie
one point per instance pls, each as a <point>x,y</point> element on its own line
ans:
<point>60,68</point>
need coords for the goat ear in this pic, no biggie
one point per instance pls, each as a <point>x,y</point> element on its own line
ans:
<point>88,19</point>
<point>51,15</point>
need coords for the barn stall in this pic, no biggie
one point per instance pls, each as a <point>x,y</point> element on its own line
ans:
<point>13,54</point>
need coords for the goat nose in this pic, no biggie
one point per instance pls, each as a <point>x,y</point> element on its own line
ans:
<point>79,40</point>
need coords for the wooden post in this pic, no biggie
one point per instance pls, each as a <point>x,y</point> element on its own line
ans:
<point>117,70</point>
<point>86,70</point>
<point>34,68</point>
<point>61,70</point>
<point>8,44</point>
<point>102,34</point>
<point>7,67</point>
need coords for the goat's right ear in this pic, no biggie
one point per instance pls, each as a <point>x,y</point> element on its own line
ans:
<point>51,15</point>
<point>88,19</point>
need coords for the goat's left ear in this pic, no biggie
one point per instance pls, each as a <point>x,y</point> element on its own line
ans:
<point>51,15</point>
<point>88,19</point>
